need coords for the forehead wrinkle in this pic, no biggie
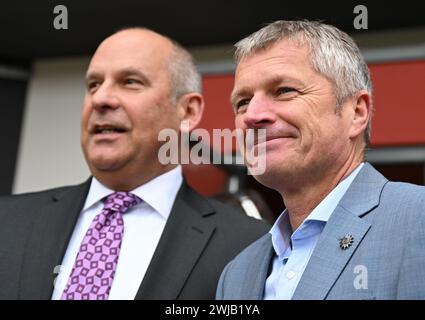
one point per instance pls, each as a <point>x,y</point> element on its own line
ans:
<point>270,65</point>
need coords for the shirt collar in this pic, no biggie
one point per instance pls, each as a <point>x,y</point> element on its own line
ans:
<point>281,231</point>
<point>159,193</point>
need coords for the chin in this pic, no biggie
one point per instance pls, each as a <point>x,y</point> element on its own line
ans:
<point>267,179</point>
<point>102,163</point>
<point>275,174</point>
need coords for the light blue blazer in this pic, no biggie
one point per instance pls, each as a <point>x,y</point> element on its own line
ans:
<point>385,261</point>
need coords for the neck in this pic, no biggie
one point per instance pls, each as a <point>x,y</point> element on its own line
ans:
<point>301,201</point>
<point>127,181</point>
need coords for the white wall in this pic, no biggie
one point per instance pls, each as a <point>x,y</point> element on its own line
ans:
<point>49,152</point>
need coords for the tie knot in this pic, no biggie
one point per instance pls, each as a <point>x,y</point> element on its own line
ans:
<point>121,201</point>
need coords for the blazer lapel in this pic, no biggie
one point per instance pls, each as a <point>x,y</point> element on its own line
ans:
<point>328,259</point>
<point>48,239</point>
<point>184,237</point>
<point>253,288</point>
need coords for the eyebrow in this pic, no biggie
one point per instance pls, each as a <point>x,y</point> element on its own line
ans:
<point>271,82</point>
<point>121,73</point>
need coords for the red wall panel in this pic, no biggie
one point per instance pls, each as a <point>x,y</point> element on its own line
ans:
<point>399,100</point>
<point>399,94</point>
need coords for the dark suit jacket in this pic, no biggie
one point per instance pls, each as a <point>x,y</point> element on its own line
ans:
<point>199,238</point>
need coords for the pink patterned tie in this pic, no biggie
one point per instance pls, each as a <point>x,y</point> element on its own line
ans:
<point>94,269</point>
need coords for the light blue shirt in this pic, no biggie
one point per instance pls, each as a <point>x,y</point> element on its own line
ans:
<point>289,262</point>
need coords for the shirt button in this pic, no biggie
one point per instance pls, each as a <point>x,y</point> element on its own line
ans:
<point>290,274</point>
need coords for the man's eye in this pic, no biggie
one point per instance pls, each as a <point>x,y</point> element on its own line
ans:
<point>92,85</point>
<point>132,81</point>
<point>242,103</point>
<point>284,90</point>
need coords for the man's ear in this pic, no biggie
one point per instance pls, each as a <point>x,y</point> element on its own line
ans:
<point>191,107</point>
<point>361,113</point>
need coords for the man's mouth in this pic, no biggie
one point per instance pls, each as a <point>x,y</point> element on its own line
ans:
<point>266,139</point>
<point>105,129</point>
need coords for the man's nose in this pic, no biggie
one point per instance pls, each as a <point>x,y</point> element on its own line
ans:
<point>105,98</point>
<point>259,112</point>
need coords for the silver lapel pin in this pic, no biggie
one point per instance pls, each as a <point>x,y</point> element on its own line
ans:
<point>346,242</point>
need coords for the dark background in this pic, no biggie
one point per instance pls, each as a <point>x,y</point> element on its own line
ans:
<point>27,33</point>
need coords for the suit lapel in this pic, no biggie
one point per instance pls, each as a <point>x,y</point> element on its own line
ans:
<point>48,240</point>
<point>185,236</point>
<point>253,288</point>
<point>328,259</point>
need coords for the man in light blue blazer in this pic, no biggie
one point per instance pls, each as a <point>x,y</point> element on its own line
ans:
<point>347,232</point>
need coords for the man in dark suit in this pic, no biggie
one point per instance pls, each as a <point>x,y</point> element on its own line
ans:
<point>135,229</point>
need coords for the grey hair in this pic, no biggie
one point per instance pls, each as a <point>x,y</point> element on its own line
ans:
<point>184,75</point>
<point>333,53</point>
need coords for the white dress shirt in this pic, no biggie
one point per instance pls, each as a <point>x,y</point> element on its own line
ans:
<point>143,226</point>
<point>293,250</point>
